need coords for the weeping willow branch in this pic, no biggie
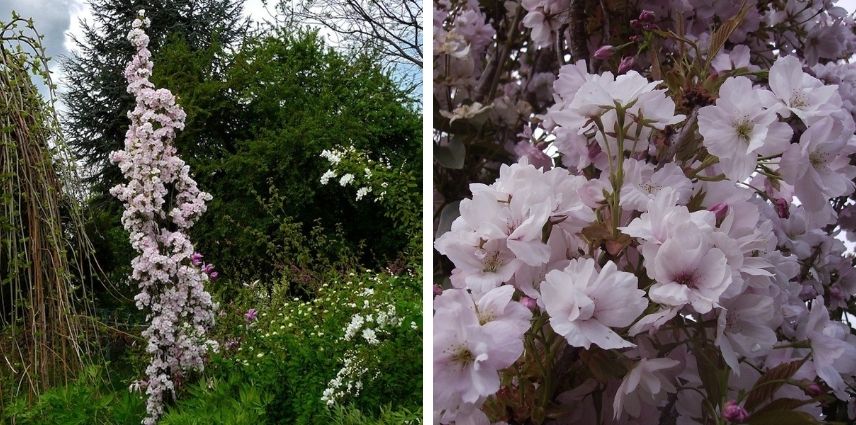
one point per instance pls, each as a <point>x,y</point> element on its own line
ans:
<point>44,253</point>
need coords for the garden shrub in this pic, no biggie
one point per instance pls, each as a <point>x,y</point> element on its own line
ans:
<point>229,401</point>
<point>353,416</point>
<point>292,348</point>
<point>88,400</point>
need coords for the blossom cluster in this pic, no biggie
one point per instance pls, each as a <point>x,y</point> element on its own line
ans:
<point>354,167</point>
<point>375,323</point>
<point>161,203</point>
<point>654,248</point>
<point>352,332</point>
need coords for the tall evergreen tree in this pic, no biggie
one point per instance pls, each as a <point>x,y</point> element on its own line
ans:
<point>97,102</point>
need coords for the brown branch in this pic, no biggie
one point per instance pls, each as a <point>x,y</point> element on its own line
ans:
<point>579,48</point>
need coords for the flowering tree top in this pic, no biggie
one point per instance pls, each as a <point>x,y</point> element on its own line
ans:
<point>162,202</point>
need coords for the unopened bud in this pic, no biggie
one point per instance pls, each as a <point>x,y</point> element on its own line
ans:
<point>647,16</point>
<point>719,209</point>
<point>604,52</point>
<point>626,63</point>
<point>814,390</point>
<point>734,413</point>
<point>529,303</point>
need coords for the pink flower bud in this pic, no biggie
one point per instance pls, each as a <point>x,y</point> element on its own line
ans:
<point>438,290</point>
<point>720,210</point>
<point>734,413</point>
<point>647,16</point>
<point>814,390</point>
<point>208,268</point>
<point>604,52</point>
<point>213,275</point>
<point>529,303</point>
<point>635,24</point>
<point>782,208</point>
<point>626,63</point>
<point>808,292</point>
<point>196,259</point>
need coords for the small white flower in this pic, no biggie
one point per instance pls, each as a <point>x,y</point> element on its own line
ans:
<point>346,179</point>
<point>362,192</point>
<point>370,336</point>
<point>325,178</point>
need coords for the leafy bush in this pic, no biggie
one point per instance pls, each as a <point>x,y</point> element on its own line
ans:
<point>292,98</point>
<point>293,348</point>
<point>351,416</point>
<point>90,399</point>
<point>230,401</point>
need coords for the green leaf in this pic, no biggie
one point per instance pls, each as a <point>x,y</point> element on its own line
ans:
<point>784,404</point>
<point>449,213</point>
<point>713,373</point>
<point>782,417</point>
<point>451,155</point>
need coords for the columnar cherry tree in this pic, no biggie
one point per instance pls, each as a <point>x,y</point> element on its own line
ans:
<point>643,212</point>
<point>161,203</point>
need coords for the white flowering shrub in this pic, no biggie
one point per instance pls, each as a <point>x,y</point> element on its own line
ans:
<point>375,322</point>
<point>396,187</point>
<point>352,167</point>
<point>651,232</point>
<point>161,203</point>
<point>351,344</point>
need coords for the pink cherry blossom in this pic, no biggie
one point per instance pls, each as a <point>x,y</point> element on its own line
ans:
<point>740,126</point>
<point>688,269</point>
<point>584,304</point>
<point>645,383</point>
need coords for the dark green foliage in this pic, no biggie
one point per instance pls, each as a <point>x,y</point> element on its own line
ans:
<point>257,121</point>
<point>301,349</point>
<point>97,99</point>
<point>230,401</point>
<point>297,98</point>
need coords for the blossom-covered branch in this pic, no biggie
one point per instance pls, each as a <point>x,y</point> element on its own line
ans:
<point>161,203</point>
<point>651,232</point>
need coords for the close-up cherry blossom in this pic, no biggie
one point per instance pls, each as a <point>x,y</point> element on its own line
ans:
<point>667,186</point>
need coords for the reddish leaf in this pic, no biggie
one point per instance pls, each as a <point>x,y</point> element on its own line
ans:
<point>765,387</point>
